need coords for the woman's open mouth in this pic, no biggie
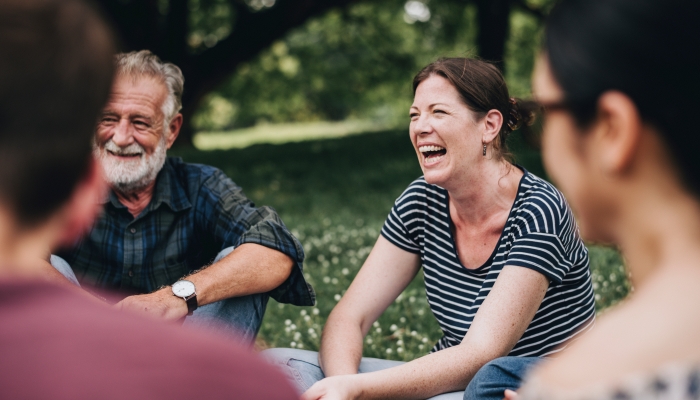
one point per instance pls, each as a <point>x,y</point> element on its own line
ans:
<point>432,154</point>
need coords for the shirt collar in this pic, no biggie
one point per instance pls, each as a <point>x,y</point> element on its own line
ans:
<point>168,190</point>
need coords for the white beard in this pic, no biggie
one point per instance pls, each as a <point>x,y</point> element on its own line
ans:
<point>128,176</point>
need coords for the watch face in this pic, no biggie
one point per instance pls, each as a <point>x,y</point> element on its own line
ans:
<point>183,288</point>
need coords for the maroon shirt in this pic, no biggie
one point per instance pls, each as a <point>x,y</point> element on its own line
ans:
<point>56,344</point>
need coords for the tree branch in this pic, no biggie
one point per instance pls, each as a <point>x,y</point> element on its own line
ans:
<point>251,33</point>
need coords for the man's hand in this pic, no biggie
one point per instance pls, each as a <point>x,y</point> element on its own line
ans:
<point>340,387</point>
<point>160,304</point>
<point>510,395</point>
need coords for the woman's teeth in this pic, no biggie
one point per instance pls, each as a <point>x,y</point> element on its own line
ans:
<point>432,153</point>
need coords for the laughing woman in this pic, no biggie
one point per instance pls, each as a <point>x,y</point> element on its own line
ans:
<point>505,270</point>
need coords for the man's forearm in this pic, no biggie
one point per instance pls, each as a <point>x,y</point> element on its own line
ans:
<point>250,268</point>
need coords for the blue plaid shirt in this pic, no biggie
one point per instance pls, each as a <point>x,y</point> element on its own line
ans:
<point>196,211</point>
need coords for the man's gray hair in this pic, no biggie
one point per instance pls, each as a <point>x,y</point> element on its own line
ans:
<point>145,63</point>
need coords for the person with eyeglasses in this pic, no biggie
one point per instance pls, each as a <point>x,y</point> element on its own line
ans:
<point>620,140</point>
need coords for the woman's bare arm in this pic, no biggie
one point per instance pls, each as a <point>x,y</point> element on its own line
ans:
<point>384,275</point>
<point>498,325</point>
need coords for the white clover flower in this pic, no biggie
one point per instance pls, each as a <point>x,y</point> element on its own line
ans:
<point>399,350</point>
<point>287,322</point>
<point>297,335</point>
<point>336,297</point>
<point>326,279</point>
<point>293,327</point>
<point>300,346</point>
<point>402,320</point>
<point>412,299</point>
<point>376,324</point>
<point>420,347</point>
<point>378,330</point>
<point>399,342</point>
<point>334,281</point>
<point>369,340</point>
<point>307,318</point>
<point>414,333</point>
<point>389,351</point>
<point>293,344</point>
<point>425,340</point>
<point>303,312</point>
<point>315,311</point>
<point>311,331</point>
<point>345,271</point>
<point>393,327</point>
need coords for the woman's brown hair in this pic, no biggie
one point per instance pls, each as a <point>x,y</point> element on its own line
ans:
<point>482,88</point>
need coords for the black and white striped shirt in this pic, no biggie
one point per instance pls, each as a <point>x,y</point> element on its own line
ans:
<point>540,234</point>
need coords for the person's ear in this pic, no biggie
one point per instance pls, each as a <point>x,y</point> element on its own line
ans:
<point>618,132</point>
<point>492,123</point>
<point>79,213</point>
<point>173,130</point>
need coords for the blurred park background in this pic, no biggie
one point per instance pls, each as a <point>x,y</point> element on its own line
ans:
<point>304,103</point>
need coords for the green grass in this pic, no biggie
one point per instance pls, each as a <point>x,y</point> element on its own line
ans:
<point>334,195</point>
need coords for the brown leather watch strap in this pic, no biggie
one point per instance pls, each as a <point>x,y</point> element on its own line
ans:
<point>191,303</point>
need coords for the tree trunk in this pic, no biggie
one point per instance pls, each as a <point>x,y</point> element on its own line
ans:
<point>493,19</point>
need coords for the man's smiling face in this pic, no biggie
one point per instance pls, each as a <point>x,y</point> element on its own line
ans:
<point>131,135</point>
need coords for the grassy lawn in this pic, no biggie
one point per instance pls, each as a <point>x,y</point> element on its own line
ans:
<point>334,195</point>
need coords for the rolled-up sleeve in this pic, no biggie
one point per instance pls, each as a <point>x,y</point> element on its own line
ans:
<point>234,220</point>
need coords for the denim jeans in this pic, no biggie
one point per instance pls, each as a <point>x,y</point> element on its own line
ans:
<point>302,369</point>
<point>237,317</point>
<point>498,375</point>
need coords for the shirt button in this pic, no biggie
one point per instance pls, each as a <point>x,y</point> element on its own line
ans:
<point>131,273</point>
<point>132,230</point>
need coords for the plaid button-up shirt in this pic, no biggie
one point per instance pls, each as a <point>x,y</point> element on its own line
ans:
<point>196,211</point>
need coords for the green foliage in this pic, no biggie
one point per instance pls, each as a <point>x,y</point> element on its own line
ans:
<point>355,63</point>
<point>334,196</point>
<point>610,279</point>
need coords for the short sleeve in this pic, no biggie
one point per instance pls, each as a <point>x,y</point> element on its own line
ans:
<point>407,217</point>
<point>546,236</point>
<point>542,252</point>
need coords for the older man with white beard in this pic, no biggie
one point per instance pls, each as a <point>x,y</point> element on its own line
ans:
<point>165,220</point>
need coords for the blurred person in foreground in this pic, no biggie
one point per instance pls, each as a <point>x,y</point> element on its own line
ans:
<point>505,270</point>
<point>620,85</point>
<point>165,220</point>
<point>55,342</point>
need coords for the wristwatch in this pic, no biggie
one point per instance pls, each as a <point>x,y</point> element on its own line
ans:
<point>185,290</point>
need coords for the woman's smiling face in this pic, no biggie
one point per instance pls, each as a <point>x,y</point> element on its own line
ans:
<point>444,131</point>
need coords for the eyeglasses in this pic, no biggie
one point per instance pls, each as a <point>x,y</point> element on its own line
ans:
<point>546,106</point>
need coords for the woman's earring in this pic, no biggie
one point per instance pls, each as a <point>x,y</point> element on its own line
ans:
<point>484,149</point>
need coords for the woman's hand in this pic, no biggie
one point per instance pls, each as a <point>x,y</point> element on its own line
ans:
<point>341,387</point>
<point>510,395</point>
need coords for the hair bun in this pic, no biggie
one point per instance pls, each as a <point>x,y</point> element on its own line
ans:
<point>515,118</point>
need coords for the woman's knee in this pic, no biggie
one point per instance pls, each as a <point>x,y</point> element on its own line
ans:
<point>300,366</point>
